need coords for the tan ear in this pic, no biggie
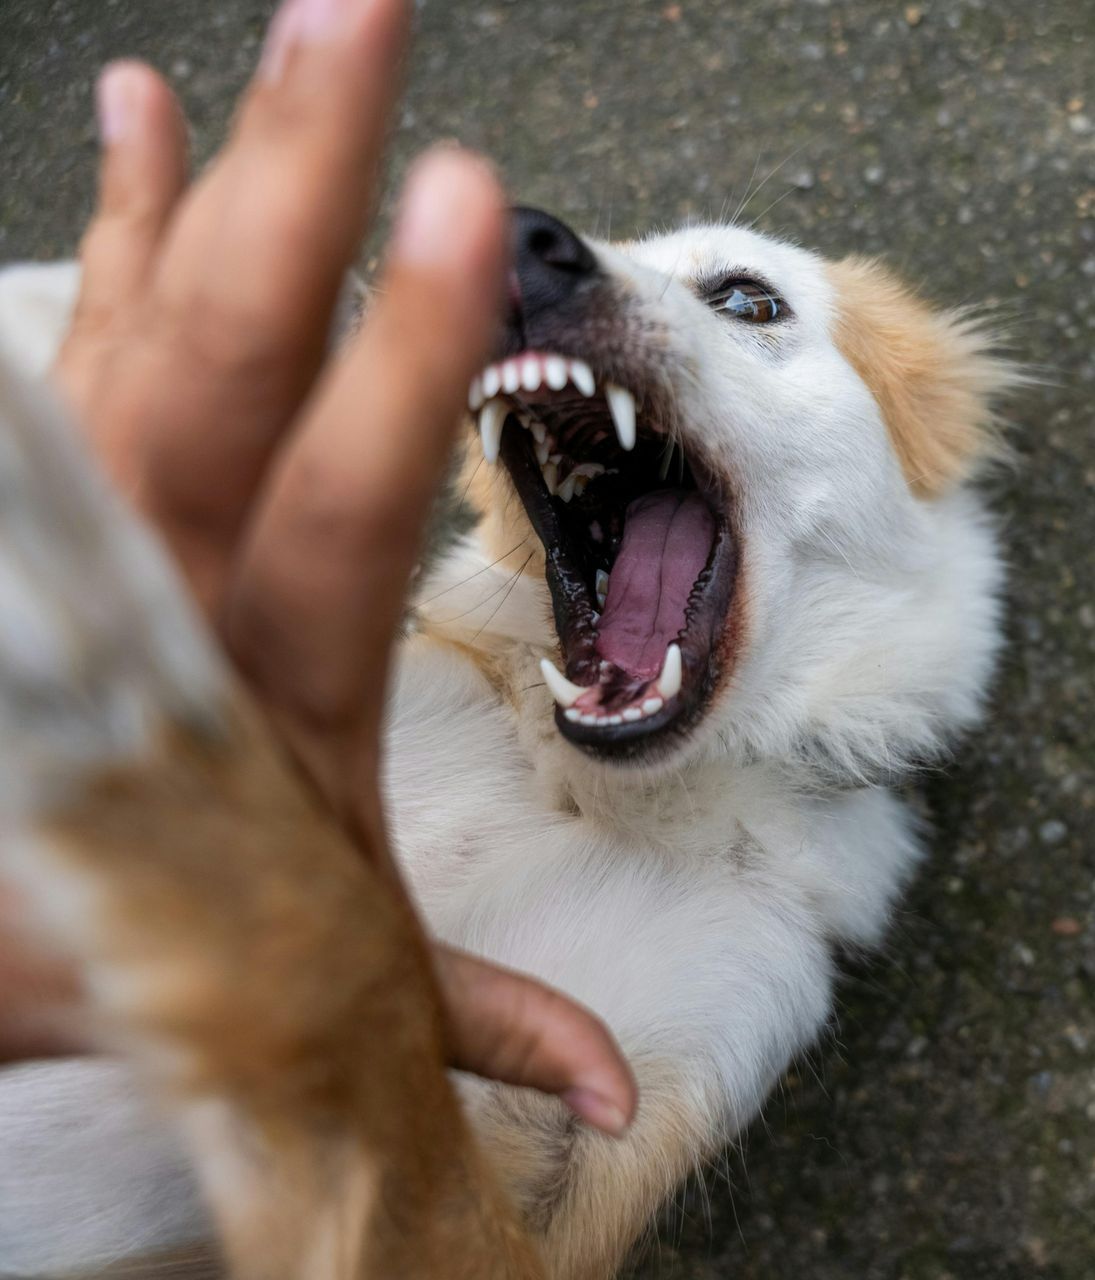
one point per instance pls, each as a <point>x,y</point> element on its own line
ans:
<point>933,373</point>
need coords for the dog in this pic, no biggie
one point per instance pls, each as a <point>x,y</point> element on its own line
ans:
<point>731,582</point>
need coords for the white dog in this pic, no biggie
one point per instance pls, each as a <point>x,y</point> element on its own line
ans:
<point>729,583</point>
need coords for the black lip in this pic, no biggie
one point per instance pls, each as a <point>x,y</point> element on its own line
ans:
<point>702,652</point>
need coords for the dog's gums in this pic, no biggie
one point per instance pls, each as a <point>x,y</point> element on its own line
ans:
<point>640,557</point>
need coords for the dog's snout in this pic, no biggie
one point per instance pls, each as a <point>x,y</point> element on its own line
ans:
<point>550,260</point>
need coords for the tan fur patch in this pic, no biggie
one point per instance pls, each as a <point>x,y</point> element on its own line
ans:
<point>933,373</point>
<point>505,530</point>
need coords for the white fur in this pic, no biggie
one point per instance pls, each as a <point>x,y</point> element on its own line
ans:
<point>696,905</point>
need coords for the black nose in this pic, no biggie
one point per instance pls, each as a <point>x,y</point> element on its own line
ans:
<point>550,260</point>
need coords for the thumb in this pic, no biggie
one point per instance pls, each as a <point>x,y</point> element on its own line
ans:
<point>511,1028</point>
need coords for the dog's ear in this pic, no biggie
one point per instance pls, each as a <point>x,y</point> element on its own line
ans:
<point>934,374</point>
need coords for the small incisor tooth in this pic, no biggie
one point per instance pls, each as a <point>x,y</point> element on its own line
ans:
<point>582,377</point>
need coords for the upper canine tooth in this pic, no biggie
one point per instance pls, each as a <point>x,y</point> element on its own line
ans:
<point>475,395</point>
<point>530,374</point>
<point>564,693</point>
<point>492,381</point>
<point>621,404</point>
<point>511,377</point>
<point>582,377</point>
<point>555,372</point>
<point>492,418</point>
<point>669,682</point>
<point>543,451</point>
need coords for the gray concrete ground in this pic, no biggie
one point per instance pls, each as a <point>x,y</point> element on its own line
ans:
<point>948,1127</point>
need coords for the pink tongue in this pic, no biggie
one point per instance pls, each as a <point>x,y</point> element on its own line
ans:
<point>667,539</point>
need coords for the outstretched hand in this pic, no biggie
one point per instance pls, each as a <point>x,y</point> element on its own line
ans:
<point>292,484</point>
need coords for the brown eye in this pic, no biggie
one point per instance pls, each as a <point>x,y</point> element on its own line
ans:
<point>746,300</point>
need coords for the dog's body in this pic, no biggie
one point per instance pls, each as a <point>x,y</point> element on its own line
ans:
<point>691,886</point>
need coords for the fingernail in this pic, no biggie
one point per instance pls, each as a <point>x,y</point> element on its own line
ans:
<point>596,1110</point>
<point>116,94</point>
<point>443,187</point>
<point>302,22</point>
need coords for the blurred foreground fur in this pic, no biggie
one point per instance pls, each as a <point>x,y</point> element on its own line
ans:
<point>274,990</point>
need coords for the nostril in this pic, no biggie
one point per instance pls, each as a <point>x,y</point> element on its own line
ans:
<point>541,241</point>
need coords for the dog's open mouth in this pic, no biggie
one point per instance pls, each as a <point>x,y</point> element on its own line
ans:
<point>641,561</point>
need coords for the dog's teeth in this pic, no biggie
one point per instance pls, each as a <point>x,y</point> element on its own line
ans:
<point>588,719</point>
<point>543,449</point>
<point>555,372</point>
<point>650,705</point>
<point>566,489</point>
<point>492,381</point>
<point>669,682</point>
<point>580,482</point>
<point>564,693</point>
<point>550,472</point>
<point>531,374</point>
<point>601,587</point>
<point>539,431</point>
<point>511,377</point>
<point>591,470</point>
<point>582,377</point>
<point>614,720</point>
<point>621,404</point>
<point>633,713</point>
<point>492,418</point>
<point>475,395</point>
<point>572,713</point>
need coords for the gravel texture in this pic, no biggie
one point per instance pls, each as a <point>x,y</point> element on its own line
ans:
<point>947,1128</point>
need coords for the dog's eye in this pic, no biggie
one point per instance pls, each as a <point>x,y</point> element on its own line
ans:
<point>746,300</point>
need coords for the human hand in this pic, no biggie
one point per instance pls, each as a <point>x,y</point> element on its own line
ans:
<point>292,486</point>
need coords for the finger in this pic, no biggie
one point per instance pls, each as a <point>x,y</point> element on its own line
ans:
<point>508,1027</point>
<point>143,172</point>
<point>340,524</point>
<point>274,226</point>
<point>249,278</point>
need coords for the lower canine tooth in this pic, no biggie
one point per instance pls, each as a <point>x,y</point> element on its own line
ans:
<point>550,472</point>
<point>566,489</point>
<point>669,681</point>
<point>492,418</point>
<point>543,449</point>
<point>621,404</point>
<point>564,693</point>
<point>539,431</point>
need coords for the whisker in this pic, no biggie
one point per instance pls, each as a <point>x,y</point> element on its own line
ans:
<point>510,582</point>
<point>465,581</point>
<point>516,579</point>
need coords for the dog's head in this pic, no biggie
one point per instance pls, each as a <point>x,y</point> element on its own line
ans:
<point>745,466</point>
